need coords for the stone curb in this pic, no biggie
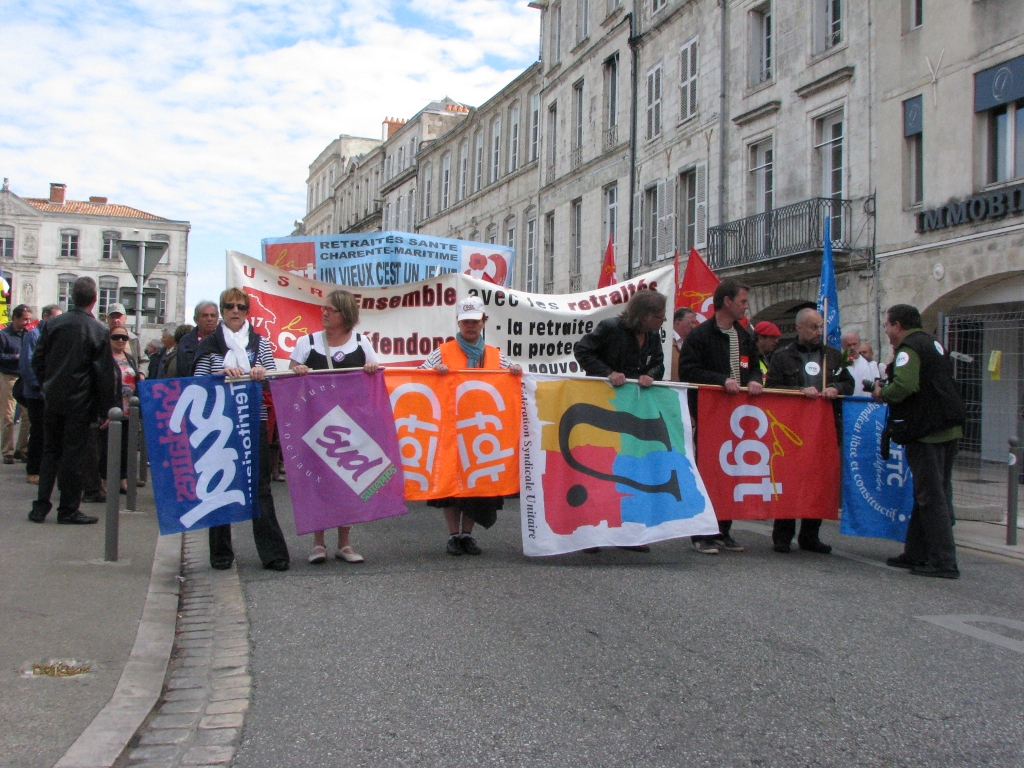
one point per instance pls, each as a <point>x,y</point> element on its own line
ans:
<point>142,680</point>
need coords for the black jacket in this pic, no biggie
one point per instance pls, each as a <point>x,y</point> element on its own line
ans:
<point>75,366</point>
<point>188,346</point>
<point>10,349</point>
<point>787,369</point>
<point>937,405</point>
<point>612,347</point>
<point>704,358</point>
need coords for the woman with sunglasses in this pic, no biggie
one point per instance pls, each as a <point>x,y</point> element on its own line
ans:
<point>235,349</point>
<point>335,347</point>
<point>128,378</point>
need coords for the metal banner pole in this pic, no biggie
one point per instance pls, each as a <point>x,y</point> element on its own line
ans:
<point>1012,486</point>
<point>133,454</point>
<point>113,472</point>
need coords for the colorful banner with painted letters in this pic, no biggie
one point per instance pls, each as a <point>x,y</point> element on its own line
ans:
<point>458,432</point>
<point>607,466</point>
<point>878,494</point>
<point>339,447</point>
<point>768,457</point>
<point>203,439</point>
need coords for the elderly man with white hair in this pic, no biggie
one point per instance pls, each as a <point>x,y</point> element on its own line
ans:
<point>861,369</point>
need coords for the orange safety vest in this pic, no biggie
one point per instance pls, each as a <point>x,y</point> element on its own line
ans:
<point>456,360</point>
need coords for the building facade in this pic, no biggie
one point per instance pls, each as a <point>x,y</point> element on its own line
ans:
<point>47,243</point>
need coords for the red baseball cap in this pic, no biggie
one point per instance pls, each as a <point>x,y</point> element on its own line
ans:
<point>765,328</point>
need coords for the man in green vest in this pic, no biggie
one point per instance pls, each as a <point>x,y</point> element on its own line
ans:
<point>926,416</point>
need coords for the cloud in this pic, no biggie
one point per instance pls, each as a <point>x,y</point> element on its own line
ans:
<point>211,110</point>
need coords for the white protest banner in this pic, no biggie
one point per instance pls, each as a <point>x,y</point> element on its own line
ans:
<point>405,323</point>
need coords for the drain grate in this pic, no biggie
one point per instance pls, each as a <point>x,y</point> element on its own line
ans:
<point>56,668</point>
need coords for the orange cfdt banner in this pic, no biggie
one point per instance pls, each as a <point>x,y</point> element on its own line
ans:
<point>458,433</point>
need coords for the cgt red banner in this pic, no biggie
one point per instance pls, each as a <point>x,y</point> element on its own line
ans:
<point>768,457</point>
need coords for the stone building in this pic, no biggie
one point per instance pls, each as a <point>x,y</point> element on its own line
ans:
<point>47,243</point>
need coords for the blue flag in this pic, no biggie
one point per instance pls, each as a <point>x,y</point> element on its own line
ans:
<point>827,289</point>
<point>878,495</point>
<point>203,438</point>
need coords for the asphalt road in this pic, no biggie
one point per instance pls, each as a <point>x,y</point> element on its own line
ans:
<point>674,658</point>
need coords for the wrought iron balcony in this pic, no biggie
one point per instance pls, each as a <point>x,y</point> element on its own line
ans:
<point>576,158</point>
<point>786,231</point>
<point>611,138</point>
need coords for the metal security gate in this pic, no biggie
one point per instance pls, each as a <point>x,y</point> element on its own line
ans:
<point>988,349</point>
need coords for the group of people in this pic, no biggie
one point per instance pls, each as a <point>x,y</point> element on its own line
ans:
<point>74,370</point>
<point>926,413</point>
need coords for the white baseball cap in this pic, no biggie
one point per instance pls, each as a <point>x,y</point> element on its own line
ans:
<point>471,308</point>
<point>116,309</point>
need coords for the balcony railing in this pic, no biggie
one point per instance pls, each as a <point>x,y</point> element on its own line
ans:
<point>551,173</point>
<point>786,231</point>
<point>576,157</point>
<point>611,138</point>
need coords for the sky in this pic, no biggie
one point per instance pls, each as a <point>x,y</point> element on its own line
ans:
<point>210,111</point>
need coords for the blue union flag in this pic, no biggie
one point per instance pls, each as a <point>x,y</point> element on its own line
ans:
<point>203,439</point>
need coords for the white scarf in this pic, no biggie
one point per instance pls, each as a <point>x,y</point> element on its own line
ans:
<point>236,356</point>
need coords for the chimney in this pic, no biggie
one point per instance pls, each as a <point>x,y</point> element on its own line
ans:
<point>98,200</point>
<point>57,193</point>
<point>391,126</point>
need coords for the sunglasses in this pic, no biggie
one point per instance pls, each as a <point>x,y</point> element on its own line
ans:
<point>119,338</point>
<point>239,307</point>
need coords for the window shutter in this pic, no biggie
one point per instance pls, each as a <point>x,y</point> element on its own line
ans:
<point>666,221</point>
<point>684,83</point>
<point>700,235</point>
<point>638,240</point>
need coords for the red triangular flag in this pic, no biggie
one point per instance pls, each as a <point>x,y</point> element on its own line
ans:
<point>698,286</point>
<point>608,267</point>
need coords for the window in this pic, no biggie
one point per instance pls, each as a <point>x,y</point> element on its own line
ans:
<point>650,224</point>
<point>162,238</point>
<point>692,209</point>
<point>654,103</point>
<point>555,39</point>
<point>110,251</point>
<point>916,13</point>
<point>549,253</point>
<point>913,136</point>
<point>510,233</point>
<point>1006,142</point>
<point>463,170</point>
<point>387,217</point>
<point>761,183</point>
<point>761,44</point>
<point>495,172</point>
<point>446,179</point>
<point>611,6</point>
<point>106,294</point>
<point>478,161</point>
<point>829,157</point>
<point>401,160</point>
<point>654,233</point>
<point>575,245</point>
<point>657,5</point>
<point>610,77</point>
<point>161,302</point>
<point>576,154</point>
<point>828,24</point>
<point>688,80</point>
<point>534,126</point>
<point>582,20</point>
<point>411,209</point>
<point>428,174</point>
<point>552,140</point>
<point>611,213</point>
<point>69,243</point>
<point>492,234</point>
<point>530,272</point>
<point>65,283</point>
<point>7,242</point>
<point>399,210</point>
<point>513,138</point>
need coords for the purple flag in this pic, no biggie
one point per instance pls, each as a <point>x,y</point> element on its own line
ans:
<point>340,449</point>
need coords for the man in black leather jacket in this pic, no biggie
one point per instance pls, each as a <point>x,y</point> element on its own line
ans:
<point>75,367</point>
<point>817,370</point>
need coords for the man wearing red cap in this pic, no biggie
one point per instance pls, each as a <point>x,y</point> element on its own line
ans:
<point>766,336</point>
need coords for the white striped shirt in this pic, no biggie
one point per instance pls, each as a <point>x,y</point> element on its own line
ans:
<point>214,363</point>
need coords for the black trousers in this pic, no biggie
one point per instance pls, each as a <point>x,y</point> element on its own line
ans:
<point>65,447</point>
<point>266,531</point>
<point>930,531</point>
<point>783,530</point>
<point>36,417</point>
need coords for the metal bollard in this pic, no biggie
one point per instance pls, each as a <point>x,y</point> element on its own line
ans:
<point>132,470</point>
<point>1012,487</point>
<point>113,472</point>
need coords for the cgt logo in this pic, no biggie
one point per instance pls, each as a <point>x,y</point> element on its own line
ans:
<point>282,321</point>
<point>751,458</point>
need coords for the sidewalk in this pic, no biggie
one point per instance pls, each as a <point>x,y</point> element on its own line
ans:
<point>60,601</point>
